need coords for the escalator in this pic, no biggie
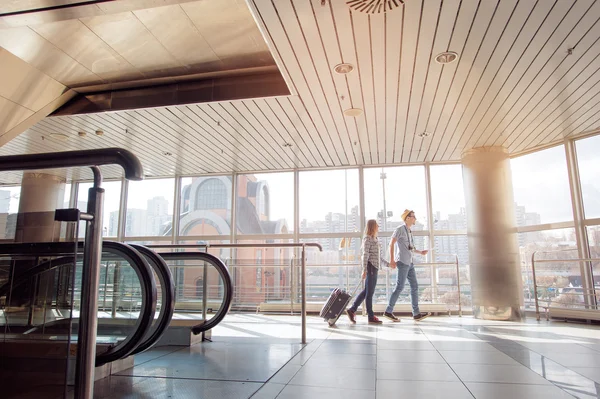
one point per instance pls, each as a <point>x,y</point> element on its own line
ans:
<point>52,322</point>
<point>136,302</point>
<point>68,306</point>
<point>213,296</point>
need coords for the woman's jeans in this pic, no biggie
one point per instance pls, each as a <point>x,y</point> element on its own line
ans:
<point>405,271</point>
<point>367,294</point>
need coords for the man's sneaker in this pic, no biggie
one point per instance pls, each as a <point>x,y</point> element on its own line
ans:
<point>391,317</point>
<point>421,316</point>
<point>374,320</point>
<point>351,315</point>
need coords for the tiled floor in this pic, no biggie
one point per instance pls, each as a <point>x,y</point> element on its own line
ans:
<point>260,357</point>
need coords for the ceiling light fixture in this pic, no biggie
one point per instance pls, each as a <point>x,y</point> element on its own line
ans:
<point>99,132</point>
<point>423,134</point>
<point>59,136</point>
<point>81,134</point>
<point>374,6</point>
<point>167,153</point>
<point>343,69</point>
<point>353,112</point>
<point>288,145</point>
<point>446,57</point>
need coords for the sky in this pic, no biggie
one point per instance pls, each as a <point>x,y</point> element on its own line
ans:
<point>324,191</point>
<point>541,184</point>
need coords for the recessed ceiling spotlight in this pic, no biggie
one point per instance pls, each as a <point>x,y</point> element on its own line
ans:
<point>81,134</point>
<point>343,69</point>
<point>423,134</point>
<point>99,132</point>
<point>446,57</point>
<point>59,136</point>
<point>288,145</point>
<point>167,153</point>
<point>353,112</point>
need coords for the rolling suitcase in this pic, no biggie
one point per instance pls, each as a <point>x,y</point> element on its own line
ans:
<point>336,304</point>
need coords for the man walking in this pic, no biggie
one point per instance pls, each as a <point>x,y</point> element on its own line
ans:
<point>402,248</point>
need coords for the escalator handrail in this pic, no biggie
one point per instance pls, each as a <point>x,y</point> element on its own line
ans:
<point>167,307</point>
<point>135,259</point>
<point>227,285</point>
<point>148,308</point>
<point>50,160</point>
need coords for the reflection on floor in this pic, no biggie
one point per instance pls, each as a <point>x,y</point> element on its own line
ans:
<point>259,357</point>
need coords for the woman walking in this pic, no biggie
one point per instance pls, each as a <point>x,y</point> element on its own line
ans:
<point>371,262</point>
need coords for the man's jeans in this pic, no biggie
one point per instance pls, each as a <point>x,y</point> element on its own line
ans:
<point>405,271</point>
<point>367,294</point>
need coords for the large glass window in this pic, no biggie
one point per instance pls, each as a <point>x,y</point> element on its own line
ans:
<point>329,201</point>
<point>541,187</point>
<point>264,274</point>
<point>336,266</point>
<point>552,278</point>
<point>192,277</point>
<point>9,206</point>
<point>112,201</point>
<point>265,203</point>
<point>205,207</point>
<point>446,246</point>
<point>593,233</point>
<point>404,188</point>
<point>149,208</point>
<point>447,197</point>
<point>588,158</point>
<point>447,249</point>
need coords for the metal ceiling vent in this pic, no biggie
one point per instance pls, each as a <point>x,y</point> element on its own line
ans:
<point>374,6</point>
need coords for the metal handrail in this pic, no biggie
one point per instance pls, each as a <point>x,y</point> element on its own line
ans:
<point>266,245</point>
<point>167,291</point>
<point>105,156</point>
<point>227,286</point>
<point>533,262</point>
<point>148,286</point>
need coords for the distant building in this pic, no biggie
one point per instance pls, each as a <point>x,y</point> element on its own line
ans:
<point>525,218</point>
<point>206,211</point>
<point>149,222</point>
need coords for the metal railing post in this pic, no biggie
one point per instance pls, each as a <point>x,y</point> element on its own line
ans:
<point>105,286</point>
<point>303,291</point>
<point>88,320</point>
<point>204,296</point>
<point>292,285</point>
<point>116,288</point>
<point>458,285</point>
<point>535,296</point>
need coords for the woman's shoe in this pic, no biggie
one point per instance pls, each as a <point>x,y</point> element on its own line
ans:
<point>351,315</point>
<point>374,320</point>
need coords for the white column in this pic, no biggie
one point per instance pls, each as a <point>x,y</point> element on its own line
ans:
<point>41,195</point>
<point>493,250</point>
